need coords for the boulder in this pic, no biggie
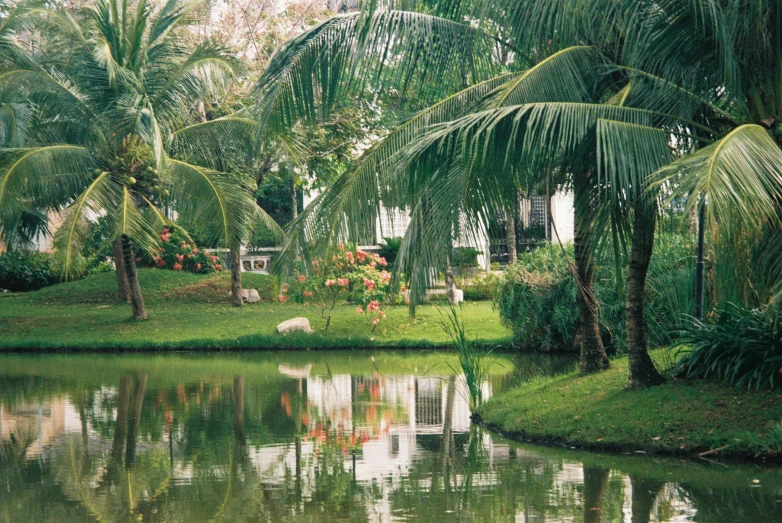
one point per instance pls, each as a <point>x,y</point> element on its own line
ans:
<point>295,325</point>
<point>251,296</point>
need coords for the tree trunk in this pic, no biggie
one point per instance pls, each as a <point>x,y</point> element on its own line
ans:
<point>593,357</point>
<point>642,370</point>
<point>136,299</point>
<point>294,200</point>
<point>123,287</point>
<point>450,285</point>
<point>236,277</point>
<point>134,417</point>
<point>644,492</point>
<point>121,423</point>
<point>595,480</point>
<point>510,234</point>
<point>240,435</point>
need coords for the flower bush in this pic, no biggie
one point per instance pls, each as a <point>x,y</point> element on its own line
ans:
<point>179,253</point>
<point>348,275</point>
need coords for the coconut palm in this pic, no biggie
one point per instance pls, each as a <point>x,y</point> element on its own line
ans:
<point>622,103</point>
<point>108,87</point>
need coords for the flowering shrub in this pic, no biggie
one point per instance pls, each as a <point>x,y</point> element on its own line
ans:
<point>348,275</point>
<point>178,253</point>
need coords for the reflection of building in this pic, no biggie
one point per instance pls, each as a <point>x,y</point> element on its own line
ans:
<point>38,423</point>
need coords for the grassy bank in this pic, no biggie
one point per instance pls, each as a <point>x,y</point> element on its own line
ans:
<point>191,312</point>
<point>681,418</point>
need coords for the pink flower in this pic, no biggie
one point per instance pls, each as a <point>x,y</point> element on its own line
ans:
<point>177,266</point>
<point>369,284</point>
<point>218,267</point>
<point>180,257</point>
<point>341,246</point>
<point>198,267</point>
<point>382,262</point>
<point>184,245</point>
<point>343,282</point>
<point>282,298</point>
<point>385,276</point>
<point>373,264</point>
<point>285,288</point>
<point>138,259</point>
<point>307,294</point>
<point>361,256</point>
<point>159,261</point>
<point>382,314</point>
<point>359,310</point>
<point>330,283</point>
<point>213,258</point>
<point>302,278</point>
<point>373,306</point>
<point>195,250</point>
<point>375,321</point>
<point>164,236</point>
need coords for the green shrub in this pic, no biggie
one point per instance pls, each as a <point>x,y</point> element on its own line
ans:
<point>390,250</point>
<point>464,257</point>
<point>22,271</point>
<point>178,253</point>
<point>740,346</point>
<point>483,287</point>
<point>537,299</point>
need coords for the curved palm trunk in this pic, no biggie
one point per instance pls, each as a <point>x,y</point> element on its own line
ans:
<point>236,277</point>
<point>642,370</point>
<point>134,417</point>
<point>123,287</point>
<point>595,481</point>
<point>593,357</point>
<point>644,492</point>
<point>136,298</point>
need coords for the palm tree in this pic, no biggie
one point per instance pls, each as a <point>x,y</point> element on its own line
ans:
<point>108,86</point>
<point>621,98</point>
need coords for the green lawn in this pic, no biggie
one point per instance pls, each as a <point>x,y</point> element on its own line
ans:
<point>596,412</point>
<point>191,312</point>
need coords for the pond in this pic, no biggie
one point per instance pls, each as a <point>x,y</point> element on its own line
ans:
<point>318,436</point>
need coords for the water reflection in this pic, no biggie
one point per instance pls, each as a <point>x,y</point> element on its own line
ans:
<point>285,437</point>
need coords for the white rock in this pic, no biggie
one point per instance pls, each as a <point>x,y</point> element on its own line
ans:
<point>295,325</point>
<point>252,296</point>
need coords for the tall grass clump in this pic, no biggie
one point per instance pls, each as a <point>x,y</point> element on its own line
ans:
<point>740,346</point>
<point>472,360</point>
<point>537,299</point>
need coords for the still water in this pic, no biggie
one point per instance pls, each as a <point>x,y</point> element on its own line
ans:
<point>318,436</point>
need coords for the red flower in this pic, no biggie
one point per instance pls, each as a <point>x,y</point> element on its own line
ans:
<point>177,266</point>
<point>369,284</point>
<point>359,310</point>
<point>330,283</point>
<point>213,258</point>
<point>302,278</point>
<point>307,294</point>
<point>373,306</point>
<point>198,267</point>
<point>218,267</point>
<point>195,250</point>
<point>180,257</point>
<point>282,298</point>
<point>343,282</point>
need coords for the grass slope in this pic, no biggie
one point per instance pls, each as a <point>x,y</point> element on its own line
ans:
<point>191,312</point>
<point>595,412</point>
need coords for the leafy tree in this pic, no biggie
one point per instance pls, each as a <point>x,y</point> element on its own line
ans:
<point>107,87</point>
<point>619,101</point>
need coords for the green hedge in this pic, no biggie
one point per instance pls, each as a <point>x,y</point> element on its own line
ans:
<point>537,300</point>
<point>22,271</point>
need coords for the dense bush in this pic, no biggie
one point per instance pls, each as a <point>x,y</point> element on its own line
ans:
<point>740,346</point>
<point>390,249</point>
<point>537,300</point>
<point>179,253</point>
<point>483,287</point>
<point>26,270</point>
<point>465,257</point>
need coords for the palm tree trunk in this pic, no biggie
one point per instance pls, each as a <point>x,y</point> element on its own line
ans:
<point>240,435</point>
<point>136,298</point>
<point>121,423</point>
<point>644,492</point>
<point>236,277</point>
<point>294,200</point>
<point>510,236</point>
<point>595,480</point>
<point>593,357</point>
<point>134,417</point>
<point>642,370</point>
<point>122,278</point>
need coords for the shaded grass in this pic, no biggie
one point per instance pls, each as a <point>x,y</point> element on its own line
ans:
<point>191,312</point>
<point>595,412</point>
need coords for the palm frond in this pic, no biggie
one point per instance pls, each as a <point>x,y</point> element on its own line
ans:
<point>130,221</point>
<point>103,193</point>
<point>737,176</point>
<point>213,200</point>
